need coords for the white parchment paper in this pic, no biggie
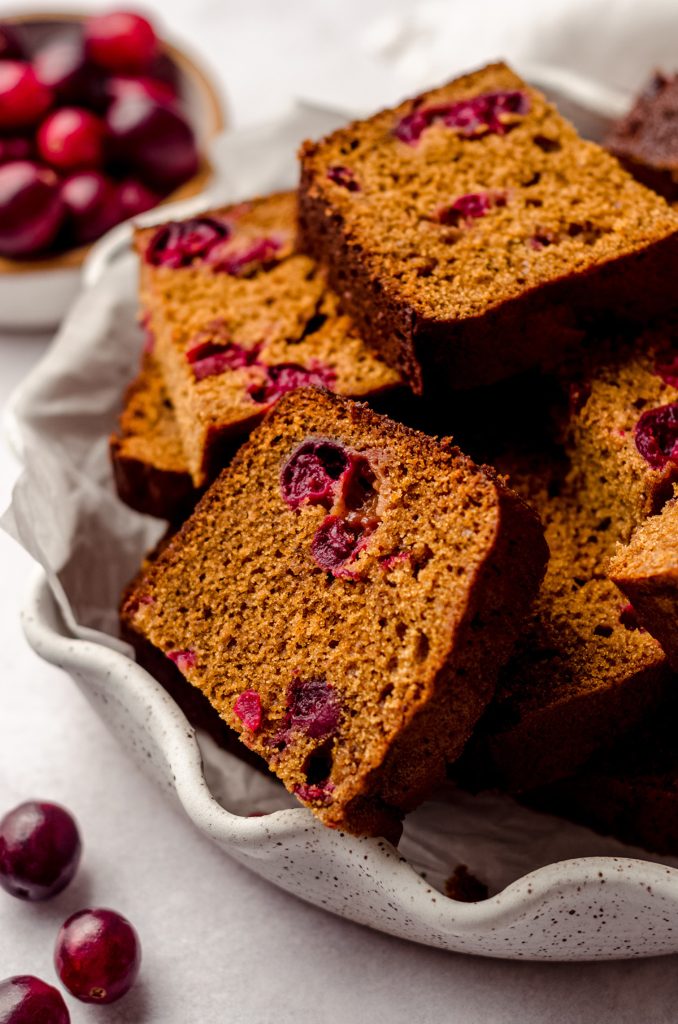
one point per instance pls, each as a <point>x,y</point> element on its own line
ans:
<point>66,514</point>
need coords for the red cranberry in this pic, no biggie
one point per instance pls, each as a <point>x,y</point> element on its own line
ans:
<point>629,619</point>
<point>62,66</point>
<point>311,473</point>
<point>183,659</point>
<point>154,140</point>
<point>97,955</point>
<point>15,147</point>
<point>91,202</point>
<point>470,207</point>
<point>31,209</point>
<point>286,377</point>
<point>345,177</point>
<point>312,708</point>
<point>181,243</point>
<point>28,1000</point>
<point>71,138</point>
<point>472,118</point>
<point>210,357</point>
<point>260,254</point>
<point>39,850</point>
<point>335,543</point>
<point>248,709</point>
<point>134,198</point>
<point>23,99</point>
<point>657,435</point>
<point>154,89</point>
<point>11,47</point>
<point>315,793</point>
<point>121,41</point>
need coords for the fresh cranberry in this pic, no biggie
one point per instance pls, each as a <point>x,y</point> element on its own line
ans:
<point>153,140</point>
<point>336,542</point>
<point>11,47</point>
<point>39,850</point>
<point>97,955</point>
<point>71,138</point>
<point>62,66</point>
<point>666,367</point>
<point>183,659</point>
<point>121,86</point>
<point>314,793</point>
<point>657,435</point>
<point>260,254</point>
<point>31,208</point>
<point>345,177</point>
<point>489,113</point>
<point>248,709</point>
<point>470,207</point>
<point>313,708</point>
<point>134,198</point>
<point>15,147</point>
<point>181,243</point>
<point>92,206</point>
<point>23,99</point>
<point>120,41</point>
<point>28,1000</point>
<point>311,473</point>
<point>284,377</point>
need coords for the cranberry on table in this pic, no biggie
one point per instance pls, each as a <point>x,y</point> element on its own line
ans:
<point>97,955</point>
<point>23,99</point>
<point>31,208</point>
<point>28,1000</point>
<point>121,41</point>
<point>92,206</point>
<point>71,138</point>
<point>152,139</point>
<point>39,850</point>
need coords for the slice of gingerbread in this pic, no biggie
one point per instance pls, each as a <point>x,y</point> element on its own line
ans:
<point>344,595</point>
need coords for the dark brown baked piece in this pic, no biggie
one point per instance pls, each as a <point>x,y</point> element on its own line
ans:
<point>646,139</point>
<point>238,318</point>
<point>582,673</point>
<point>344,594</point>
<point>647,572</point>
<point>149,465</point>
<point>632,791</point>
<point>467,229</point>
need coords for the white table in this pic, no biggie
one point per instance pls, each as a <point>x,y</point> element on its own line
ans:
<point>220,945</point>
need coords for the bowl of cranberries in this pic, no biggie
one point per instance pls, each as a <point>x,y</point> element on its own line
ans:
<point>100,121</point>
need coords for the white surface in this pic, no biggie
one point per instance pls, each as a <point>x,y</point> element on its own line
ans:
<point>221,945</point>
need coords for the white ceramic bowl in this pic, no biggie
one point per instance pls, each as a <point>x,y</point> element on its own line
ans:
<point>35,294</point>
<point>588,897</point>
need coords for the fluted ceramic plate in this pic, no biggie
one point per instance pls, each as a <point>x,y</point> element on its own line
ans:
<point>558,892</point>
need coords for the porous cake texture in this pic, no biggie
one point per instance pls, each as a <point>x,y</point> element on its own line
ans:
<point>470,229</point>
<point>238,318</point>
<point>646,141</point>
<point>149,465</point>
<point>344,595</point>
<point>646,570</point>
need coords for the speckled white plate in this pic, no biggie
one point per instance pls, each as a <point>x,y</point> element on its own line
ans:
<point>572,907</point>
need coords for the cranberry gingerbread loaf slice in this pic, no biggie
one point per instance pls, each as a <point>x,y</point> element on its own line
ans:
<point>582,673</point>
<point>647,572</point>
<point>239,318</point>
<point>344,595</point>
<point>149,465</point>
<point>646,140</point>
<point>469,227</point>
